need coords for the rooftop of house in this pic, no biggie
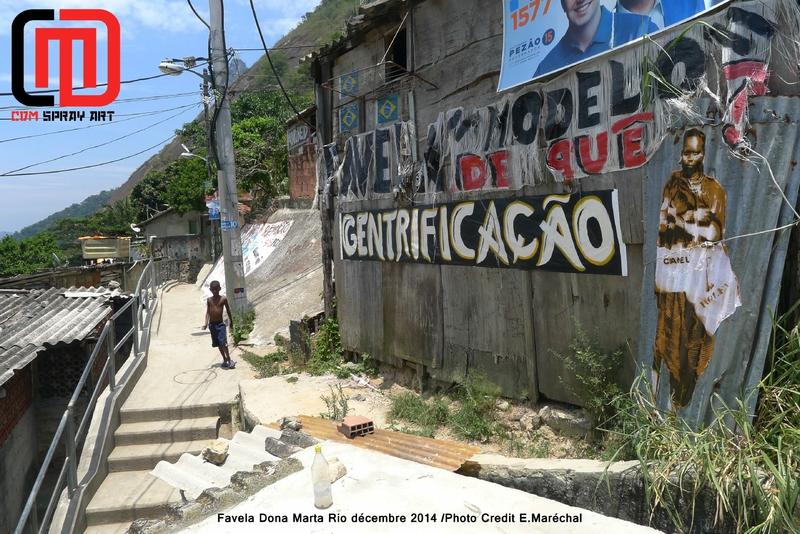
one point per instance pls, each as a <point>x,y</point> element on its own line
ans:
<point>32,319</point>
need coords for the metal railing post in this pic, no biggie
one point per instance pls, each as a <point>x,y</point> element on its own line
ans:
<point>112,364</point>
<point>137,325</point>
<point>72,464</point>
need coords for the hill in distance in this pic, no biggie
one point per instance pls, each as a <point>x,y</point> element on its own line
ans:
<point>81,209</point>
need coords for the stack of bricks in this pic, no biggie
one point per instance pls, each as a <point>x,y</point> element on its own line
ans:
<point>353,426</point>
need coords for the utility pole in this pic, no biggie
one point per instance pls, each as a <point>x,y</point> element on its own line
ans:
<point>226,175</point>
<point>209,150</point>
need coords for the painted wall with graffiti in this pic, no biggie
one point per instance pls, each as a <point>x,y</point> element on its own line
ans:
<point>449,250</point>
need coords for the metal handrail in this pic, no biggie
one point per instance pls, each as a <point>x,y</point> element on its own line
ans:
<point>143,303</point>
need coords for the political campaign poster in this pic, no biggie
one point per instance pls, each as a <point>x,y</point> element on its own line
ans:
<point>541,37</point>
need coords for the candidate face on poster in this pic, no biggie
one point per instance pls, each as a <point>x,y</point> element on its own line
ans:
<point>545,36</point>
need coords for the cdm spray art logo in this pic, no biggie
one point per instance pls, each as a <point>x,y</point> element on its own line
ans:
<point>66,37</point>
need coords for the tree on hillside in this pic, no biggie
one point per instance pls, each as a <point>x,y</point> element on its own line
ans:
<point>28,255</point>
<point>185,190</point>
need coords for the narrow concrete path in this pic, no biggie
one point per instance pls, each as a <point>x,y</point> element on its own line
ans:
<point>174,409</point>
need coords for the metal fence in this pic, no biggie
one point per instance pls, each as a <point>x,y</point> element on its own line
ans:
<point>72,437</point>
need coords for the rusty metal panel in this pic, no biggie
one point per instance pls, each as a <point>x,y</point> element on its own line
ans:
<point>443,454</point>
<point>754,204</point>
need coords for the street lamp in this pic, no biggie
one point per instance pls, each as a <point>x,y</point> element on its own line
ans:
<point>189,154</point>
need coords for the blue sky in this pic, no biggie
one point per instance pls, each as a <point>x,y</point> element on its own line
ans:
<point>151,31</point>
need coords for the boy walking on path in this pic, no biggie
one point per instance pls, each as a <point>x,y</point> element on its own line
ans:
<point>219,338</point>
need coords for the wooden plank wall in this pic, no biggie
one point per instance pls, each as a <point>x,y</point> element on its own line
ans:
<point>513,326</point>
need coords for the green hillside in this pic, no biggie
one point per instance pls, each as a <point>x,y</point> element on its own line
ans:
<point>81,209</point>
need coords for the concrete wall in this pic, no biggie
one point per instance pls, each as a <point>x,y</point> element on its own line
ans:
<point>18,445</point>
<point>126,274</point>
<point>181,247</point>
<point>173,224</point>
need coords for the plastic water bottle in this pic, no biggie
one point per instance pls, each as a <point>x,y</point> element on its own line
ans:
<point>321,479</point>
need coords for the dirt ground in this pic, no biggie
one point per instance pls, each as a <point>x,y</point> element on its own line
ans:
<point>268,399</point>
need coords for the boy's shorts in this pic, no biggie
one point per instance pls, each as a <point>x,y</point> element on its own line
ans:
<point>218,336</point>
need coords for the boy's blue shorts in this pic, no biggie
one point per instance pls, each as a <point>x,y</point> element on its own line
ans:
<point>219,338</point>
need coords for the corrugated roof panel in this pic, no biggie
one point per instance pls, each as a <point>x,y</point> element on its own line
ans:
<point>29,320</point>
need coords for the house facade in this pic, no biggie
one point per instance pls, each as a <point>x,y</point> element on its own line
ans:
<point>477,230</point>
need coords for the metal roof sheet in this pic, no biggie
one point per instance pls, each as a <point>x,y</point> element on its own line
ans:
<point>31,319</point>
<point>444,454</point>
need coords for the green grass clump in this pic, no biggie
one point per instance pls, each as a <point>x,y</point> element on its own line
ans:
<point>474,418</point>
<point>267,365</point>
<point>751,466</point>
<point>410,407</point>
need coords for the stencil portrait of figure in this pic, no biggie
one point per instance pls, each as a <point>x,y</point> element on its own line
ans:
<point>696,288</point>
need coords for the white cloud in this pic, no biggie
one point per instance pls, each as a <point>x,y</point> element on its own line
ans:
<point>170,15</point>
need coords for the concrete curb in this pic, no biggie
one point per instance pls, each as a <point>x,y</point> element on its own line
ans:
<point>614,489</point>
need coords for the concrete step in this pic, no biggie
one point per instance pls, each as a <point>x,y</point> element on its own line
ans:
<point>166,431</point>
<point>108,528</point>
<point>147,455</point>
<point>140,415</point>
<point>125,497</point>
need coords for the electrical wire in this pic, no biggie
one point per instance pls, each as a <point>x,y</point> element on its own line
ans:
<point>118,101</point>
<point>105,143</point>
<point>94,165</point>
<point>289,47</point>
<point>123,82</point>
<point>97,125</point>
<point>196,14</point>
<point>271,66</point>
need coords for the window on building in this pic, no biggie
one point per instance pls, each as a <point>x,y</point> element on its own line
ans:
<point>193,227</point>
<point>397,55</point>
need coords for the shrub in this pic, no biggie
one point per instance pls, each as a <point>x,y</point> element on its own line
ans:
<point>243,324</point>
<point>327,354</point>
<point>336,404</point>
<point>267,365</point>
<point>595,373</point>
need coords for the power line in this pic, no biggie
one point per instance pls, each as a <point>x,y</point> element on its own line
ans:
<point>98,145</point>
<point>118,101</point>
<point>97,125</point>
<point>196,14</point>
<point>94,165</point>
<point>289,47</point>
<point>123,82</point>
<point>271,66</point>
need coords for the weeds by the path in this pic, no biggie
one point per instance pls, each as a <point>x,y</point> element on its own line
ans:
<point>753,468</point>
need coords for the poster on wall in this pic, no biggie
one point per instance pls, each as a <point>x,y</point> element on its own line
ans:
<point>541,37</point>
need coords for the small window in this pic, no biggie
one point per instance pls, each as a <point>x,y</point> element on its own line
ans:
<point>397,55</point>
<point>193,227</point>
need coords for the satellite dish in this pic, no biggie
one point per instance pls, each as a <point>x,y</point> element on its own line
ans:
<point>135,228</point>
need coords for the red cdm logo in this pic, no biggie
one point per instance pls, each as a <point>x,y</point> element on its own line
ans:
<point>66,37</point>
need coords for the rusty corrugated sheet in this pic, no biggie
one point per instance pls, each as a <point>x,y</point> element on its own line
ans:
<point>449,455</point>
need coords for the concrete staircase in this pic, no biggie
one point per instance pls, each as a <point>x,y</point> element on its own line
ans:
<point>144,438</point>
